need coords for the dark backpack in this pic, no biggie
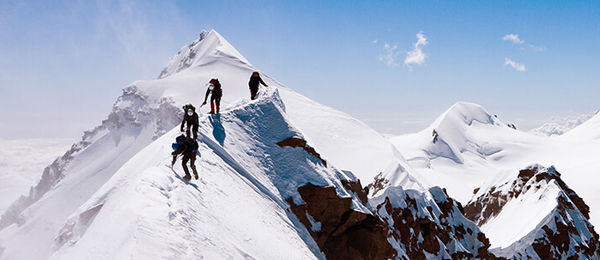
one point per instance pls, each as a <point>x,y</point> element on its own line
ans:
<point>180,139</point>
<point>191,145</point>
<point>216,83</point>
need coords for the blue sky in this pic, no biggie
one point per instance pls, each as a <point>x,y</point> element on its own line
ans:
<point>396,65</point>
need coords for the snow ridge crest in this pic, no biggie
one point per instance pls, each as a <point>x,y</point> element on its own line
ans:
<point>563,229</point>
<point>208,47</point>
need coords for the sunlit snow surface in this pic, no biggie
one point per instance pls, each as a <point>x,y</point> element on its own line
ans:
<point>474,148</point>
<point>112,197</point>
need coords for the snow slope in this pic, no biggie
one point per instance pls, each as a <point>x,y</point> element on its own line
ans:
<point>471,146</point>
<point>78,197</point>
<point>235,211</point>
<point>111,197</point>
<point>474,148</point>
<point>552,220</point>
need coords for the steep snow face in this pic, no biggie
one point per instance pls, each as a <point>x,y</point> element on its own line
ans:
<point>552,220</point>
<point>349,143</point>
<point>33,221</point>
<point>237,209</point>
<point>209,44</point>
<point>463,148</point>
<point>65,203</point>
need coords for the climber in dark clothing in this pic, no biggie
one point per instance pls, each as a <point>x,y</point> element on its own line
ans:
<point>191,118</point>
<point>254,83</point>
<point>214,87</point>
<point>188,148</point>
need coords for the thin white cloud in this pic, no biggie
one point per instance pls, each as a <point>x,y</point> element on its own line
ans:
<point>536,48</point>
<point>414,57</point>
<point>417,56</point>
<point>518,66</point>
<point>390,55</point>
<point>513,38</point>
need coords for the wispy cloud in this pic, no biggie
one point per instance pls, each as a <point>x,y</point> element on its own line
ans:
<point>390,55</point>
<point>417,56</point>
<point>518,66</point>
<point>513,38</point>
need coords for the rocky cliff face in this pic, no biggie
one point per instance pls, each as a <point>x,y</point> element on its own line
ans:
<point>564,230</point>
<point>402,225</point>
<point>340,231</point>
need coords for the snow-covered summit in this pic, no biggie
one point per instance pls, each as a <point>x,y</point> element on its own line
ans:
<point>210,44</point>
<point>69,212</point>
<point>461,148</point>
<point>464,113</point>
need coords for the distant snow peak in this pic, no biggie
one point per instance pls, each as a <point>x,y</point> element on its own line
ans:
<point>467,113</point>
<point>463,128</point>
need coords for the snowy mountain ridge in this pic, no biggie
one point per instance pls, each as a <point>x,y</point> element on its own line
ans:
<point>553,223</point>
<point>68,208</point>
<point>194,54</point>
<point>112,197</point>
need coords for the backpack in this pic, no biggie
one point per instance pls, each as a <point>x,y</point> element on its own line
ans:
<point>191,145</point>
<point>216,83</point>
<point>180,139</point>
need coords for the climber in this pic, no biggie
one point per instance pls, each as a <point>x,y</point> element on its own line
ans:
<point>254,83</point>
<point>191,118</point>
<point>214,87</point>
<point>188,148</point>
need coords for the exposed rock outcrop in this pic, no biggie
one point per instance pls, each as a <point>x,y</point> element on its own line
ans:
<point>340,231</point>
<point>402,225</point>
<point>564,233</point>
<point>298,142</point>
<point>430,224</point>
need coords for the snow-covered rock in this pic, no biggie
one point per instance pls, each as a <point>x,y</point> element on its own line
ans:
<point>534,214</point>
<point>429,225</point>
